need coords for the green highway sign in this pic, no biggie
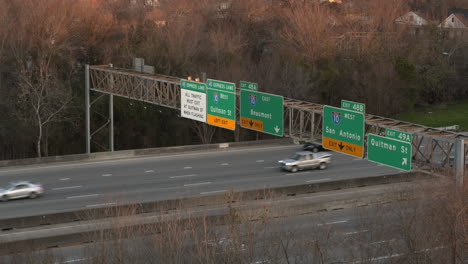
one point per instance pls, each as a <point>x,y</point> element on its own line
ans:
<point>349,105</point>
<point>343,130</point>
<point>261,112</point>
<point>194,86</point>
<point>221,86</point>
<point>400,135</point>
<point>248,86</point>
<point>221,104</point>
<point>388,151</point>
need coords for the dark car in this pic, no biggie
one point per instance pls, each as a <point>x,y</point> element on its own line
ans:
<point>314,147</point>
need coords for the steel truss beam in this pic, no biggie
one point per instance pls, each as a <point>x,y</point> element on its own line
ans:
<point>432,148</point>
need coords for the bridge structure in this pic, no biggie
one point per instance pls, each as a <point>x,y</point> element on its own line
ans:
<point>432,149</point>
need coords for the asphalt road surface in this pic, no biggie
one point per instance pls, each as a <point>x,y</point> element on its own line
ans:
<point>363,235</point>
<point>94,184</point>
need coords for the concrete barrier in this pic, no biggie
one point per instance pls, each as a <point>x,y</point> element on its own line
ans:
<point>205,200</point>
<point>123,154</point>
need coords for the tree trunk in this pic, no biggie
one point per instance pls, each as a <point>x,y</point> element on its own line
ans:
<point>46,142</point>
<point>39,139</point>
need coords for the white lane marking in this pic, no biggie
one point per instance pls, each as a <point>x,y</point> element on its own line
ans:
<point>297,173</point>
<point>273,167</point>
<point>187,168</point>
<point>64,188</point>
<point>356,232</point>
<point>431,249</point>
<point>382,241</point>
<point>258,161</point>
<point>381,258</point>
<point>71,261</point>
<point>107,175</point>
<point>220,191</point>
<point>149,171</point>
<point>96,205</point>
<point>183,176</point>
<point>224,164</point>
<point>82,196</point>
<point>319,180</point>
<point>64,179</point>
<point>334,223</point>
<point>195,184</point>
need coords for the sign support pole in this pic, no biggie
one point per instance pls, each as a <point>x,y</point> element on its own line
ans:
<point>290,121</point>
<point>87,106</point>
<point>312,127</point>
<point>459,162</point>
<point>111,124</point>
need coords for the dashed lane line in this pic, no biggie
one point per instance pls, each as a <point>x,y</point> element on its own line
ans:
<point>97,205</point>
<point>196,184</point>
<point>356,232</point>
<point>334,223</point>
<point>183,176</point>
<point>318,180</point>
<point>65,188</point>
<point>211,192</point>
<point>82,196</point>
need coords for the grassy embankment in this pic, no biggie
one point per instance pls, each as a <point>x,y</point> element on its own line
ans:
<point>439,115</point>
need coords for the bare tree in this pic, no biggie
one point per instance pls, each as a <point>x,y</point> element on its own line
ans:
<point>44,63</point>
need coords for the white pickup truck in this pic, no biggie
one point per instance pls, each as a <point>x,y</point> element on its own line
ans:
<point>306,160</point>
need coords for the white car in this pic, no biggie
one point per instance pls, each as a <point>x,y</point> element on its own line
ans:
<point>306,160</point>
<point>21,189</point>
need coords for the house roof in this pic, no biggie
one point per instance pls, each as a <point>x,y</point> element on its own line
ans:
<point>423,14</point>
<point>405,18</point>
<point>461,11</point>
<point>462,18</point>
<point>461,14</point>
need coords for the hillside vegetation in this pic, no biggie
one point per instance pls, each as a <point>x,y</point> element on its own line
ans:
<point>299,49</point>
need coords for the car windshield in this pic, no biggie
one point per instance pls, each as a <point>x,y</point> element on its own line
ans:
<point>296,156</point>
<point>9,186</point>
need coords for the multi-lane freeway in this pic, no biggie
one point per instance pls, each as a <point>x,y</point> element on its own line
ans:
<point>364,235</point>
<point>93,184</point>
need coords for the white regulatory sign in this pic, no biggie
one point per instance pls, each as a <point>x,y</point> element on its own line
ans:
<point>193,105</point>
